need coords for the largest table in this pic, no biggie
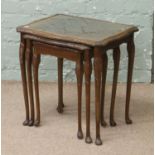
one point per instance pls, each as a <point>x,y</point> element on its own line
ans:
<point>97,35</point>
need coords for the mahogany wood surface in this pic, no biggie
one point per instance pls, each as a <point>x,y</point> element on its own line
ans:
<point>116,58</point>
<point>131,55</point>
<point>56,51</point>
<point>77,39</point>
<point>103,82</point>
<point>22,58</point>
<point>74,55</point>
<point>79,76</point>
<point>98,72</point>
<point>88,71</point>
<point>60,85</point>
<point>29,56</point>
<point>36,62</point>
<point>54,42</point>
<point>82,30</point>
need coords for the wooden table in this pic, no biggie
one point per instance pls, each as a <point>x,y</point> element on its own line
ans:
<point>97,35</point>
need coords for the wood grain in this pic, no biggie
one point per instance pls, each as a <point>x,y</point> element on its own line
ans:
<point>22,58</point>
<point>116,59</point>
<point>131,55</point>
<point>87,31</point>
<point>36,62</point>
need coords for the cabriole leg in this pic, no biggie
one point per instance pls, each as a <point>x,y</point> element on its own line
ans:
<point>116,58</point>
<point>79,75</point>
<point>60,85</point>
<point>88,70</point>
<point>36,62</point>
<point>98,70</point>
<point>131,54</point>
<point>29,74</point>
<point>104,74</point>
<point>23,75</point>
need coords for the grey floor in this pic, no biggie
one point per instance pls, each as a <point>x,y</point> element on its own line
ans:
<point>57,133</point>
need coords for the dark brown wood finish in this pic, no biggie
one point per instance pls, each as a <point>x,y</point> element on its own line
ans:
<point>131,54</point>
<point>88,31</point>
<point>74,55</point>
<point>29,56</point>
<point>104,74</point>
<point>60,52</point>
<point>68,36</point>
<point>98,71</point>
<point>36,62</point>
<point>23,75</point>
<point>88,71</point>
<point>70,45</point>
<point>116,58</point>
<point>60,85</point>
<point>79,76</point>
<point>97,66</point>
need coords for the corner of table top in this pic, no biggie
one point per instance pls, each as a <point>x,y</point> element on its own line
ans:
<point>20,28</point>
<point>118,36</point>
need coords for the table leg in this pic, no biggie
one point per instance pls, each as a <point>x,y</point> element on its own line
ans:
<point>79,75</point>
<point>116,58</point>
<point>29,74</point>
<point>131,54</point>
<point>60,85</point>
<point>36,62</point>
<point>104,74</point>
<point>88,70</point>
<point>98,71</point>
<point>24,81</point>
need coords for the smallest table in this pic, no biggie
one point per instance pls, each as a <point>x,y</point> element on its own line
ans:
<point>98,36</point>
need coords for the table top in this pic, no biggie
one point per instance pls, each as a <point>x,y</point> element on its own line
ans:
<point>82,30</point>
